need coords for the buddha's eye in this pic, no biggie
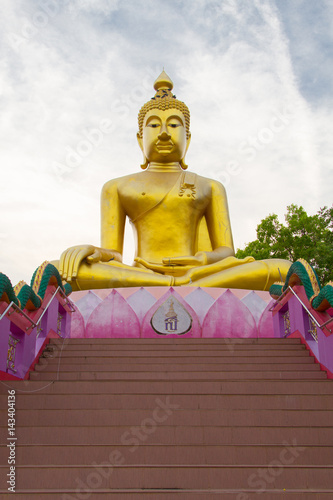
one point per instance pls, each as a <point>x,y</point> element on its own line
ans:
<point>174,125</point>
<point>153,125</point>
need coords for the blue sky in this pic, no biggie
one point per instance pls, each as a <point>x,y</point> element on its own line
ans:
<point>309,30</point>
<point>256,75</point>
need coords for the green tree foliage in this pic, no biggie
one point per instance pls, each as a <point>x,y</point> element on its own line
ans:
<point>309,237</point>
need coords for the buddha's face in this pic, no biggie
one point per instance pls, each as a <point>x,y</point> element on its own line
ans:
<point>164,136</point>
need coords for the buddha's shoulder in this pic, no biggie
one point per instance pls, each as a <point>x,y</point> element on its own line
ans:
<point>116,184</point>
<point>211,183</point>
<point>122,183</point>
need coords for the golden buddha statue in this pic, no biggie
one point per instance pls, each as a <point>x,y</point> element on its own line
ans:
<point>180,219</point>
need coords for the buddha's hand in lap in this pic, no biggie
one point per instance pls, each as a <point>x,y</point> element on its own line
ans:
<point>196,273</point>
<point>182,263</point>
<point>72,258</point>
<point>199,259</point>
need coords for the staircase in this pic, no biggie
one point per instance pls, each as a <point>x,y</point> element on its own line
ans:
<point>172,419</point>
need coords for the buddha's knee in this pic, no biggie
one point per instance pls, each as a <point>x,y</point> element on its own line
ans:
<point>277,268</point>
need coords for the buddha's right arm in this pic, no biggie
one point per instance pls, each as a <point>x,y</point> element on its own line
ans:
<point>113,218</point>
<point>112,235</point>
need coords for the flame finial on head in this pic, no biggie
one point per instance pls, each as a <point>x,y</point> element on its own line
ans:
<point>163,82</point>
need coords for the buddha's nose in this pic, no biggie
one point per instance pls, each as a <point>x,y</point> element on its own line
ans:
<point>164,134</point>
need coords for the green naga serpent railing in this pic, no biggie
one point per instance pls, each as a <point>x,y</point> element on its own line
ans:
<point>301,273</point>
<point>319,325</point>
<point>30,316</point>
<point>304,310</point>
<point>31,297</point>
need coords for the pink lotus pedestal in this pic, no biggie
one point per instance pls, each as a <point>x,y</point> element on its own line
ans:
<point>185,312</point>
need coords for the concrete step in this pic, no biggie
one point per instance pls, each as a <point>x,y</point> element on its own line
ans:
<point>174,388</point>
<point>172,494</point>
<point>46,367</point>
<point>278,477</point>
<point>172,375</point>
<point>173,419</point>
<point>221,360</point>
<point>196,417</point>
<point>34,454</point>
<point>34,401</point>
<point>150,431</point>
<point>177,341</point>
<point>220,347</point>
<point>103,354</point>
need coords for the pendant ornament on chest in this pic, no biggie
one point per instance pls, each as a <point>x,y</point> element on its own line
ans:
<point>187,185</point>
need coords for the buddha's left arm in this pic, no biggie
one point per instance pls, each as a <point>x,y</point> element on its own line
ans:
<point>219,227</point>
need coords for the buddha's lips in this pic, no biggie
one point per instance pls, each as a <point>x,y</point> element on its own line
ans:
<point>164,145</point>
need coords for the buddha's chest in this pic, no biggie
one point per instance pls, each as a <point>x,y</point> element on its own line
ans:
<point>174,196</point>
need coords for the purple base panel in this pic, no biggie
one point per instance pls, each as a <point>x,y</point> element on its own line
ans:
<point>294,317</point>
<point>23,333</point>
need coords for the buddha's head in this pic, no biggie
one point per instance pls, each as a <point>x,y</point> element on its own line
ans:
<point>164,126</point>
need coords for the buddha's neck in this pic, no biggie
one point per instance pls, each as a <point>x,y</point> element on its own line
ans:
<point>164,167</point>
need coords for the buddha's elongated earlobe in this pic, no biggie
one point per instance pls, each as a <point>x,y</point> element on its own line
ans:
<point>182,161</point>
<point>183,164</point>
<point>145,164</point>
<point>145,161</point>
